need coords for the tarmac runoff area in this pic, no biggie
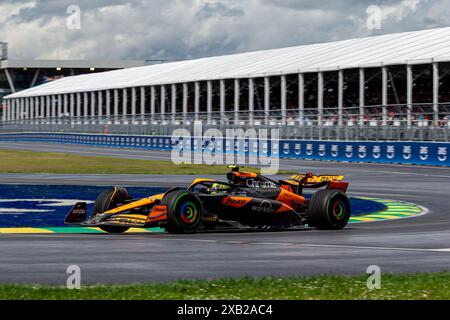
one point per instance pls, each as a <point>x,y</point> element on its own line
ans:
<point>416,244</point>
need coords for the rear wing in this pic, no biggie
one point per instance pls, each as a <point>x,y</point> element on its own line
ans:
<point>310,178</point>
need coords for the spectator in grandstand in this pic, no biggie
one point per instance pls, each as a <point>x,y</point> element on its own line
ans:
<point>335,119</point>
<point>366,118</point>
<point>445,121</point>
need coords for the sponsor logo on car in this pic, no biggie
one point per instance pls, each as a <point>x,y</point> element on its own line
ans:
<point>80,212</point>
<point>251,183</point>
<point>210,218</point>
<point>264,207</point>
<point>159,210</point>
<point>235,202</point>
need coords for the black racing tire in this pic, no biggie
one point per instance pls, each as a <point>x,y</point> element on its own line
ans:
<point>184,212</point>
<point>108,200</point>
<point>329,210</point>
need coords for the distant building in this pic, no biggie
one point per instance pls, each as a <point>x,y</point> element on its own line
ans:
<point>18,75</point>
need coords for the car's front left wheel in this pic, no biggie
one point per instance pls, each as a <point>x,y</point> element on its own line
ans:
<point>107,200</point>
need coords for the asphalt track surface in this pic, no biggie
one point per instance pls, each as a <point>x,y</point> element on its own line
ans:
<point>418,244</point>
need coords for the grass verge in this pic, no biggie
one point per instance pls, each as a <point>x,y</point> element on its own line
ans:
<point>12,161</point>
<point>403,287</point>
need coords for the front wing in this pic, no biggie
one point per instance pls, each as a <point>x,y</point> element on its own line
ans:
<point>78,216</point>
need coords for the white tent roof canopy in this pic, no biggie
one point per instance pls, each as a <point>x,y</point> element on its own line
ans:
<point>418,47</point>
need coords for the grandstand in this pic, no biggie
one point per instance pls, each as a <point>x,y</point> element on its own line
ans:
<point>394,86</point>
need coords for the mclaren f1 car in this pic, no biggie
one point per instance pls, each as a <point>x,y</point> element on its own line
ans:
<point>245,200</point>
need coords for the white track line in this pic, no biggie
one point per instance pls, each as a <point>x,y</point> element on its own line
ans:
<point>234,242</point>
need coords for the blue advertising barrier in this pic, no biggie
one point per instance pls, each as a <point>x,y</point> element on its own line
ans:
<point>418,153</point>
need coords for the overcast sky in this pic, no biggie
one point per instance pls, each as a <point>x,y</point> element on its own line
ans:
<point>183,29</point>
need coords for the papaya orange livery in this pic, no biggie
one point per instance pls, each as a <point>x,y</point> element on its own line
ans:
<point>246,174</point>
<point>244,200</point>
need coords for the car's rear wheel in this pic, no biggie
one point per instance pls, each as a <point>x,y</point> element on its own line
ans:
<point>107,200</point>
<point>184,212</point>
<point>329,210</point>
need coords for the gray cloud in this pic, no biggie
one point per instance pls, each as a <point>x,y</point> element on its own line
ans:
<point>208,10</point>
<point>182,29</point>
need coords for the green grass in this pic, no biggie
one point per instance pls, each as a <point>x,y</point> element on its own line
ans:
<point>403,287</point>
<point>12,161</point>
